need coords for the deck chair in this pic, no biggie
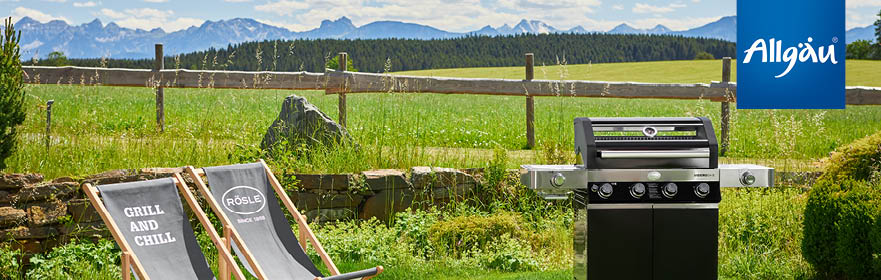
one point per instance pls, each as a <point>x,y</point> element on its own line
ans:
<point>153,220</point>
<point>241,195</point>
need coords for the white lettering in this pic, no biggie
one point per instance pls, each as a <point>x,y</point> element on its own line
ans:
<point>804,52</point>
<point>154,239</point>
<point>141,211</point>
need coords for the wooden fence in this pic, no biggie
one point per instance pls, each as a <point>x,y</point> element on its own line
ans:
<point>342,82</point>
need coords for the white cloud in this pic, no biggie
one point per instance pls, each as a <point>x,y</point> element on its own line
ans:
<point>862,3</point>
<point>21,12</point>
<point>148,18</point>
<point>155,1</point>
<point>282,8</point>
<point>84,4</point>
<point>112,14</point>
<point>444,14</point>
<point>617,7</point>
<point>641,8</point>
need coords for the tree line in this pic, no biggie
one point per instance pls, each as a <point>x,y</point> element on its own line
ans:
<point>864,49</point>
<point>379,55</point>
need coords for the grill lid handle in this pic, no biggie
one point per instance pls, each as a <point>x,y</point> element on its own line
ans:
<point>619,154</point>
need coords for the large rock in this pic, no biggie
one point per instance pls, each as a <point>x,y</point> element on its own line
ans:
<point>11,216</point>
<point>15,181</point>
<point>45,213</point>
<point>385,204</point>
<point>334,182</point>
<point>300,122</point>
<point>385,179</point>
<point>309,201</point>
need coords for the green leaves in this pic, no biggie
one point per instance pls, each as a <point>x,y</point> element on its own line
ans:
<point>11,91</point>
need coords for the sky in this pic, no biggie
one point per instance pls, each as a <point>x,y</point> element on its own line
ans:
<point>449,15</point>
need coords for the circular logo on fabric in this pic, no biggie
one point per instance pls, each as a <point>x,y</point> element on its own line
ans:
<point>243,200</point>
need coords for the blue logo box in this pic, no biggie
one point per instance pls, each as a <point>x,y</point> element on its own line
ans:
<point>790,54</point>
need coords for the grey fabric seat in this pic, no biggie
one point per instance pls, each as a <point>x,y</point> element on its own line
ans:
<point>247,195</point>
<point>148,221</point>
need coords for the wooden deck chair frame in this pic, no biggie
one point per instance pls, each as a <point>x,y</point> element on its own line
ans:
<point>226,263</point>
<point>305,232</point>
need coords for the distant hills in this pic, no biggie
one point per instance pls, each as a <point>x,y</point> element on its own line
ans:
<point>94,39</point>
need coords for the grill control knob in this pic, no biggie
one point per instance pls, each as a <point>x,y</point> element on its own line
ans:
<point>637,190</point>
<point>670,190</point>
<point>605,190</point>
<point>558,179</point>
<point>702,190</point>
<point>747,178</point>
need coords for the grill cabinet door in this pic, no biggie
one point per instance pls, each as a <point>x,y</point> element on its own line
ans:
<point>619,241</point>
<point>686,242</point>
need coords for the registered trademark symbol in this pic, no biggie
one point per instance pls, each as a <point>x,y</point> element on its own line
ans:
<point>835,40</point>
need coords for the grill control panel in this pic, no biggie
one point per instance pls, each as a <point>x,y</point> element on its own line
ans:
<point>654,192</point>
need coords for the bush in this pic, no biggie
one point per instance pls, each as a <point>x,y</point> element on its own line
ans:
<point>858,212</point>
<point>77,260</point>
<point>10,267</point>
<point>11,91</point>
<point>860,160</point>
<point>464,233</point>
<point>821,215</point>
<point>704,56</point>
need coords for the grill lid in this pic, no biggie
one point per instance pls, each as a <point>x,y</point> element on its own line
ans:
<point>604,143</point>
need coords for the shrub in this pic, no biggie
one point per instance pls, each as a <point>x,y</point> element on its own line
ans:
<point>704,56</point>
<point>507,254</point>
<point>860,160</point>
<point>77,260</point>
<point>464,233</point>
<point>11,91</point>
<point>821,215</point>
<point>10,267</point>
<point>858,212</point>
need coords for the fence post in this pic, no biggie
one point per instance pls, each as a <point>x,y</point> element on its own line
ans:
<point>726,111</point>
<point>530,104</point>
<point>343,65</point>
<point>49,124</point>
<point>159,64</point>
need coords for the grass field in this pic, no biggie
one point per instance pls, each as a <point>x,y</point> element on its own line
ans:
<point>100,128</point>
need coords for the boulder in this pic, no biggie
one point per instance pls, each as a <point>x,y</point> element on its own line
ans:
<point>334,182</point>
<point>385,179</point>
<point>81,211</point>
<point>386,203</point>
<point>46,213</point>
<point>11,216</point>
<point>300,122</point>
<point>309,201</point>
<point>16,181</point>
<point>45,191</point>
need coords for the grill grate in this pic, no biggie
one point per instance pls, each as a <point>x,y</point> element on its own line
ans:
<point>644,138</point>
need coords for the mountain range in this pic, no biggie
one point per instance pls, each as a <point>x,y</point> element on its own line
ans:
<point>94,39</point>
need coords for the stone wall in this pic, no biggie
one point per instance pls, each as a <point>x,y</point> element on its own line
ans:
<point>37,215</point>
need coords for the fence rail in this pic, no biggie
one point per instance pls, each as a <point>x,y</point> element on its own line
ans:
<point>341,82</point>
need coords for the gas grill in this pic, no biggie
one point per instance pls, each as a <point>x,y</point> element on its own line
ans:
<point>646,196</point>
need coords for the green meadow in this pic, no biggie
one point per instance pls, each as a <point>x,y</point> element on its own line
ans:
<point>95,129</point>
